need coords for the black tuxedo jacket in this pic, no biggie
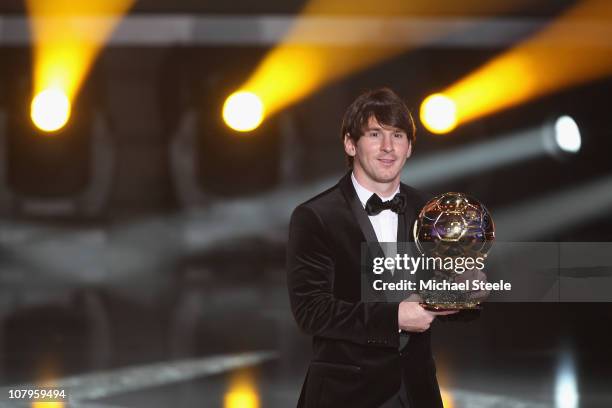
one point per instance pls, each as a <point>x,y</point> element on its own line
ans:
<point>357,361</point>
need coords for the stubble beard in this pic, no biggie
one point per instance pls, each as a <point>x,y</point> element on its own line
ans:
<point>380,175</point>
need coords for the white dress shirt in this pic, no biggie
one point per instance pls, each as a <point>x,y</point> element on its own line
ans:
<point>385,222</point>
<point>385,227</point>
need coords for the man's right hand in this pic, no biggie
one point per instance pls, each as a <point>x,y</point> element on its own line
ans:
<point>412,317</point>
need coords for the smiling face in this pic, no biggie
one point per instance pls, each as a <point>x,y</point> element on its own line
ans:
<point>378,155</point>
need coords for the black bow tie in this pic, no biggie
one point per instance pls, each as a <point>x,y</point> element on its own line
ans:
<point>375,204</point>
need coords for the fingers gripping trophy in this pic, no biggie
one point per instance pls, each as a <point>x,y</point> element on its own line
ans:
<point>453,227</point>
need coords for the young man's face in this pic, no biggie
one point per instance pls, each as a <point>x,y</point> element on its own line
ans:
<point>379,155</point>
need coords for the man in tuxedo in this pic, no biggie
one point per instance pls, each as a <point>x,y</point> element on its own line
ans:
<point>366,354</point>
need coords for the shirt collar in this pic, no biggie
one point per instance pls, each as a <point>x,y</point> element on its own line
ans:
<point>364,194</point>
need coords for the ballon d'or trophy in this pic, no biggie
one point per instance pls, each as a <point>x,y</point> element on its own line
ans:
<point>453,225</point>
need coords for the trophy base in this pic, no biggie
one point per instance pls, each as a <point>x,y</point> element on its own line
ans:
<point>450,307</point>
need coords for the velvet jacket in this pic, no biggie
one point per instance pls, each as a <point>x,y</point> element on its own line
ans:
<point>357,362</point>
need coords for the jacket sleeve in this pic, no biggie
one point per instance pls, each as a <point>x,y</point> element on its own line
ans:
<point>310,279</point>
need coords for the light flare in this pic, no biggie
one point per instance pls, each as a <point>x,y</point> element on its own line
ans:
<point>439,113</point>
<point>50,109</point>
<point>242,392</point>
<point>67,37</point>
<point>332,39</point>
<point>243,111</point>
<point>568,52</point>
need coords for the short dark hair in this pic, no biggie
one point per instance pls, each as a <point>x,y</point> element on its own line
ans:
<point>385,106</point>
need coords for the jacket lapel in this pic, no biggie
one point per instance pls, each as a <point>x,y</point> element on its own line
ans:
<point>374,250</point>
<point>346,185</point>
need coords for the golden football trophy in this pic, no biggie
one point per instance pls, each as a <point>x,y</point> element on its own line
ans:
<point>453,225</point>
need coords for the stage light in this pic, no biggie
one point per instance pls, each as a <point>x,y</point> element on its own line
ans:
<point>48,404</point>
<point>567,135</point>
<point>243,111</point>
<point>67,36</point>
<point>566,388</point>
<point>50,110</point>
<point>562,55</point>
<point>439,113</point>
<point>561,137</point>
<point>319,48</point>
<point>242,392</point>
<point>447,398</point>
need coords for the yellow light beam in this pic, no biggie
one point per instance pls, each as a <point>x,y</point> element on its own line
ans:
<point>242,392</point>
<point>47,373</point>
<point>568,52</point>
<point>445,381</point>
<point>447,398</point>
<point>47,404</point>
<point>67,36</point>
<point>304,63</point>
<point>295,70</point>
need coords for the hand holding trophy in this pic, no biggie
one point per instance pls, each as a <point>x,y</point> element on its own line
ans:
<point>453,227</point>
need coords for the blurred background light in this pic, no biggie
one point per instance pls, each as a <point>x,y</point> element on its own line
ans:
<point>447,398</point>
<point>331,39</point>
<point>439,113</point>
<point>242,392</point>
<point>67,38</point>
<point>50,109</point>
<point>568,52</point>
<point>567,134</point>
<point>566,387</point>
<point>243,111</point>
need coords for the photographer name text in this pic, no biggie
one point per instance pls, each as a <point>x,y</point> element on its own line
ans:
<point>433,285</point>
